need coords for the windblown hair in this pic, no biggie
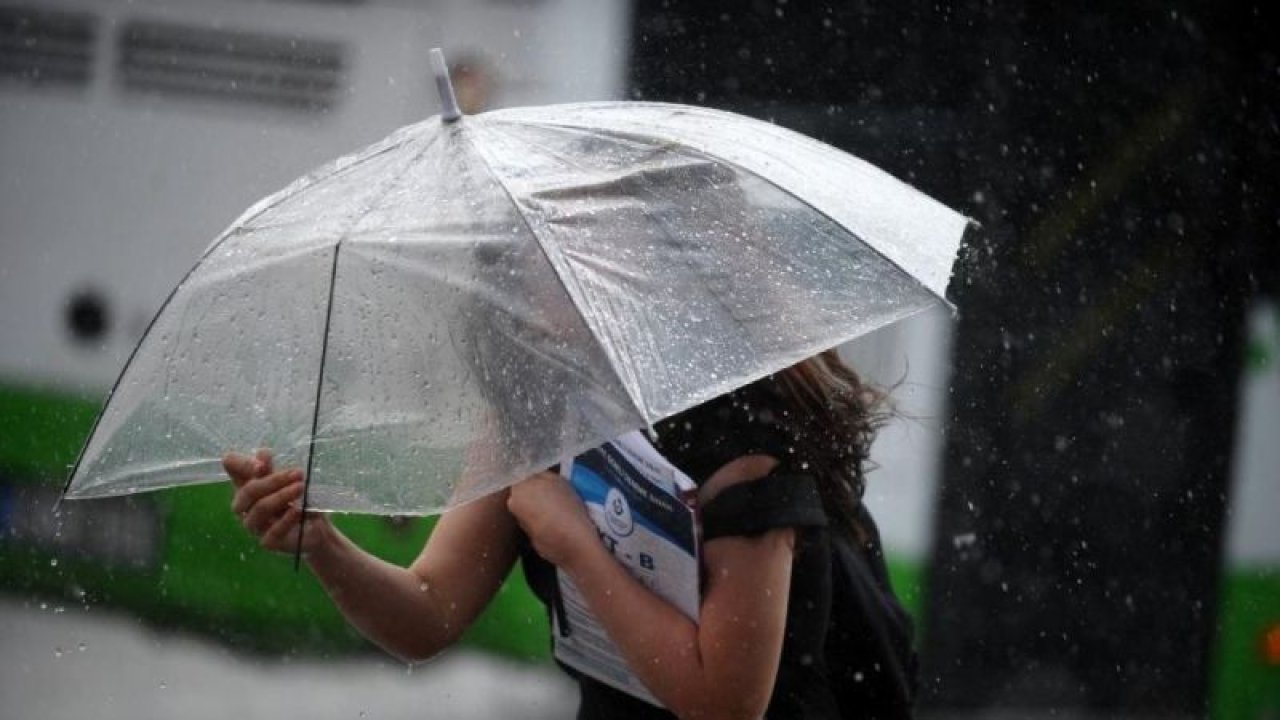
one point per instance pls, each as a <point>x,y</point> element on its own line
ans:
<point>834,416</point>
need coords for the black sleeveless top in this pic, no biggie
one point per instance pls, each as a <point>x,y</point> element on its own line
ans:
<point>700,441</point>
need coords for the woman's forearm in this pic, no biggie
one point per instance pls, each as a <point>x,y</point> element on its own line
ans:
<point>658,642</point>
<point>390,605</point>
<point>415,612</point>
<point>711,669</point>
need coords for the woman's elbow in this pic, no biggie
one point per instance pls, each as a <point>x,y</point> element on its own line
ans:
<point>728,714</point>
<point>412,655</point>
<point>740,706</point>
<point>419,649</point>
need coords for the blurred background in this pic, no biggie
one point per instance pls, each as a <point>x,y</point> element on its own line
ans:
<point>1081,494</point>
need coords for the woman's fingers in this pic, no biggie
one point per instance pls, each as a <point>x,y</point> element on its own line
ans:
<point>265,499</point>
<point>258,488</point>
<point>243,468</point>
<point>552,515</point>
<point>261,514</point>
<point>240,468</point>
<point>281,535</point>
<point>266,462</point>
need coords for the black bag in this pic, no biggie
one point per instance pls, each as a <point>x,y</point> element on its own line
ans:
<point>869,648</point>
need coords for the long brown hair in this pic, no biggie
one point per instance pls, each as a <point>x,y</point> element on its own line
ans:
<point>834,416</point>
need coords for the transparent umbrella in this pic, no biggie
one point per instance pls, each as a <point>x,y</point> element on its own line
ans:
<point>436,316</point>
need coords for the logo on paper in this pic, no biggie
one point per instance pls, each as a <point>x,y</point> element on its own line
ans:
<point>617,513</point>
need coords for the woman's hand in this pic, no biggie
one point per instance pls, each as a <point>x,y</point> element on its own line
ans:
<point>553,517</point>
<point>268,503</point>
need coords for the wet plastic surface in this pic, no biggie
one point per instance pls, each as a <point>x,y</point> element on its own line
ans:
<point>438,315</point>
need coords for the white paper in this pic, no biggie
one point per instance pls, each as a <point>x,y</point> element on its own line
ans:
<point>643,508</point>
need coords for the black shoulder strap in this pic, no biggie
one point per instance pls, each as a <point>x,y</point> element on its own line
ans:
<point>757,506</point>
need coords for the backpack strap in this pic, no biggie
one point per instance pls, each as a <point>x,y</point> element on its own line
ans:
<point>757,506</point>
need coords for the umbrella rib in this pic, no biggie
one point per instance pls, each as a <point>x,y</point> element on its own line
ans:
<point>315,410</point>
<point>324,342</point>
<point>254,212</point>
<point>128,363</point>
<point>787,191</point>
<point>319,175</point>
<point>570,286</point>
<point>693,147</point>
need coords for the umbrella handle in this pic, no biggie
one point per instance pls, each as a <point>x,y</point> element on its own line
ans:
<point>449,111</point>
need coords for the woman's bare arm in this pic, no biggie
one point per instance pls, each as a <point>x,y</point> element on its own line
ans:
<point>412,613</point>
<point>415,612</point>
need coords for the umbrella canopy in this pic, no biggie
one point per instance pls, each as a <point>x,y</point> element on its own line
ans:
<point>436,316</point>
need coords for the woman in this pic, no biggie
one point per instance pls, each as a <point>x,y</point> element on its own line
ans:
<point>779,467</point>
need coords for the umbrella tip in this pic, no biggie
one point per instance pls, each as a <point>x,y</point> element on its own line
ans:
<point>449,111</point>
